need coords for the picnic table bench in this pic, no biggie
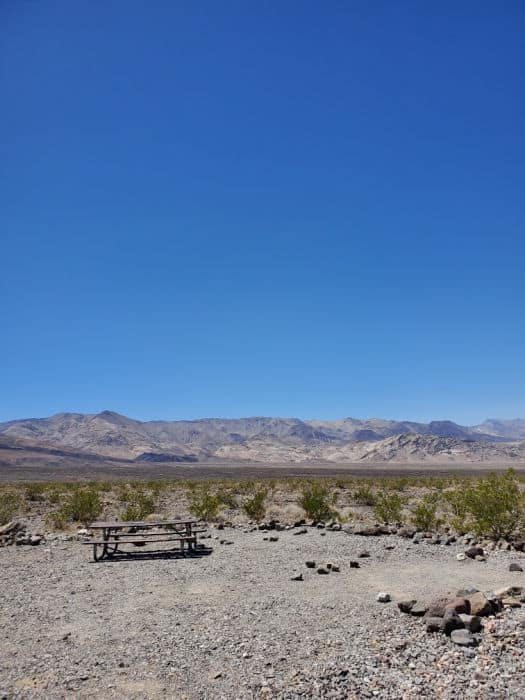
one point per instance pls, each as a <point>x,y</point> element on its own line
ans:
<point>113,534</point>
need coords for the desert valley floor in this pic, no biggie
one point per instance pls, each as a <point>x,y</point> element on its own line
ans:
<point>233,624</point>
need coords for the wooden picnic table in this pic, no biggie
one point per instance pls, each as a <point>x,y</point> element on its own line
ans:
<point>114,533</point>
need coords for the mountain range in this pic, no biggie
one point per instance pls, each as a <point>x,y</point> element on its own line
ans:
<point>260,439</point>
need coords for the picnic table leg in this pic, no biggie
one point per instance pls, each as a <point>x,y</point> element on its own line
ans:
<point>110,549</point>
<point>189,534</point>
<point>107,549</point>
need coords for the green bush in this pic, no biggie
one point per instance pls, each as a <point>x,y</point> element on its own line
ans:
<point>56,520</point>
<point>204,505</point>
<point>53,496</point>
<point>227,498</point>
<point>388,507</point>
<point>138,506</point>
<point>83,505</point>
<point>254,507</point>
<point>315,500</point>
<point>495,504</point>
<point>364,496</point>
<point>424,514</point>
<point>458,507</point>
<point>10,503</point>
<point>34,491</point>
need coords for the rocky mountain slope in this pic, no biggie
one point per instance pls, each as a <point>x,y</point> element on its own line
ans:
<point>114,436</point>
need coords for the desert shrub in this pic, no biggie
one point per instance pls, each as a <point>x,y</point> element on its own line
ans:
<point>10,503</point>
<point>156,486</point>
<point>364,496</point>
<point>203,504</point>
<point>56,520</point>
<point>138,506</point>
<point>424,513</point>
<point>495,504</point>
<point>399,484</point>
<point>291,484</point>
<point>83,505</point>
<point>388,507</point>
<point>317,503</point>
<point>343,484</point>
<point>227,498</point>
<point>34,491</point>
<point>124,493</point>
<point>254,507</point>
<point>53,496</point>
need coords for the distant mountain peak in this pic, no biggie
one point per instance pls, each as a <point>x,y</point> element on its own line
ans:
<point>261,438</point>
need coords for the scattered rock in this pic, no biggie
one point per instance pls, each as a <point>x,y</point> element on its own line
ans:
<point>310,564</point>
<point>472,622</point>
<point>515,567</point>
<point>364,554</point>
<point>419,609</point>
<point>464,592</point>
<point>434,624</point>
<point>451,622</point>
<point>463,637</point>
<point>510,602</point>
<point>479,605</point>
<point>461,556</point>
<point>458,605</point>
<point>437,607</point>
<point>322,570</point>
<point>407,532</point>
<point>474,552</point>
<point>383,597</point>
<point>369,531</point>
<point>406,605</point>
<point>355,565</point>
<point>299,577</point>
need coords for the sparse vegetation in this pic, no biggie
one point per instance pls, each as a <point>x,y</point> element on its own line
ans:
<point>254,507</point>
<point>139,506</point>
<point>10,503</point>
<point>228,498</point>
<point>495,505</point>
<point>35,491</point>
<point>492,506</point>
<point>203,504</point>
<point>83,506</point>
<point>388,508</point>
<point>317,503</point>
<point>364,496</point>
<point>424,514</point>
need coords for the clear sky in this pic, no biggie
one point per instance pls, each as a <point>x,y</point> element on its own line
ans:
<point>285,208</point>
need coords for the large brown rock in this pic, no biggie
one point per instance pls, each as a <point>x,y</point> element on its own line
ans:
<point>451,622</point>
<point>479,605</point>
<point>437,606</point>
<point>460,606</point>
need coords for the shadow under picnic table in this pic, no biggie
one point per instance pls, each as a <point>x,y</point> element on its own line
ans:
<point>141,555</point>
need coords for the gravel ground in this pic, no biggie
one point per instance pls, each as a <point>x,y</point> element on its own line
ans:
<point>233,624</point>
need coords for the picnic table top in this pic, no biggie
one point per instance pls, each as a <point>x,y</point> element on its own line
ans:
<point>120,524</point>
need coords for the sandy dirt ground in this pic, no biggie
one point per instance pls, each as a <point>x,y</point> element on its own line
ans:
<point>232,624</point>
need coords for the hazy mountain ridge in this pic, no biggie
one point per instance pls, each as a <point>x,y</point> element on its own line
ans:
<point>115,436</point>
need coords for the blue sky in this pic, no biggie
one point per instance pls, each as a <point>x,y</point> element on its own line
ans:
<point>271,208</point>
